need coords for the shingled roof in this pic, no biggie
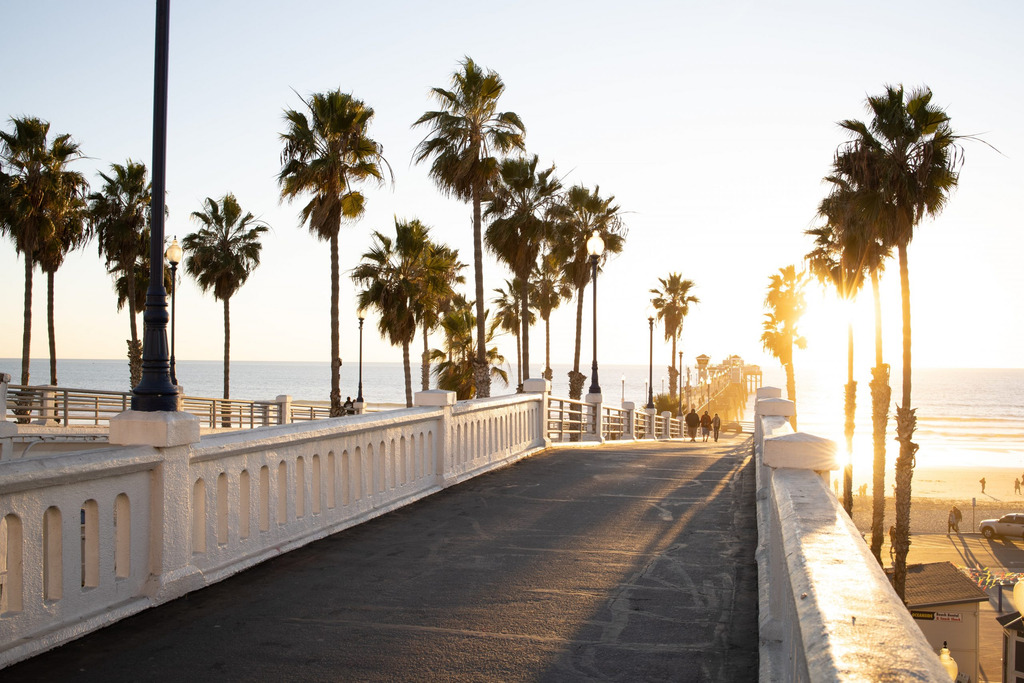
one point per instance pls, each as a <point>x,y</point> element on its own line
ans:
<point>939,583</point>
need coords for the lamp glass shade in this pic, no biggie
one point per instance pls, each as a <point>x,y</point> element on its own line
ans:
<point>595,245</point>
<point>173,253</point>
<point>948,663</point>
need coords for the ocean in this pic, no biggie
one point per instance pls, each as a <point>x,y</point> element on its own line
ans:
<point>965,416</point>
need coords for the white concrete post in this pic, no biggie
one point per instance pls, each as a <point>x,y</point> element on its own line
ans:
<point>284,402</point>
<point>666,416</point>
<point>652,423</point>
<point>158,428</point>
<point>539,385</point>
<point>48,406</point>
<point>629,431</point>
<point>596,403</point>
<point>438,398</point>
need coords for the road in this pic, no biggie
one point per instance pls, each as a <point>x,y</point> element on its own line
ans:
<point>628,562</point>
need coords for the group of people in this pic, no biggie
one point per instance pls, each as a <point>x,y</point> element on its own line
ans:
<point>707,424</point>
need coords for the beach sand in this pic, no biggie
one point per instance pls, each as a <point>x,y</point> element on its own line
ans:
<point>934,490</point>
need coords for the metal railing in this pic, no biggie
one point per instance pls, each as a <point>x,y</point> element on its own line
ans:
<point>569,418</point>
<point>615,423</point>
<point>229,413</point>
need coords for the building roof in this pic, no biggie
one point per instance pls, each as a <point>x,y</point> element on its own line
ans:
<point>938,583</point>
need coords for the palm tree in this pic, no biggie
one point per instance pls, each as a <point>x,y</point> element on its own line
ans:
<point>507,318</point>
<point>517,204</point>
<point>908,155</point>
<point>436,294</point>
<point>580,213</point>
<point>222,255</point>
<point>71,232</point>
<point>393,273</point>
<point>37,195</point>
<point>464,134</point>
<point>672,304</point>
<point>836,262</point>
<point>325,155</point>
<point>119,214</point>
<point>847,209</point>
<point>550,289</point>
<point>456,362</point>
<point>786,304</point>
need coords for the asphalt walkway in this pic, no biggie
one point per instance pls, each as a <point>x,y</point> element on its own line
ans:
<point>622,562</point>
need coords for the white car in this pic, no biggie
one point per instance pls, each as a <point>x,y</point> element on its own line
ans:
<point>1007,525</point>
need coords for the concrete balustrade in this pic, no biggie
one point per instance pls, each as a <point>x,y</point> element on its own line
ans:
<point>826,610</point>
<point>88,538</point>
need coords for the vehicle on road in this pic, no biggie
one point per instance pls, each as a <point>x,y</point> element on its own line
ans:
<point>1007,525</point>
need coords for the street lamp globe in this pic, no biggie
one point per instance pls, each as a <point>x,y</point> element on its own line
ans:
<point>173,253</point>
<point>595,245</point>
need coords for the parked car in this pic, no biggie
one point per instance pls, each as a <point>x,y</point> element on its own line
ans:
<point>1007,525</point>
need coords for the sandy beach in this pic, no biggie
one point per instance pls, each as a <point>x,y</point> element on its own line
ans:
<point>936,489</point>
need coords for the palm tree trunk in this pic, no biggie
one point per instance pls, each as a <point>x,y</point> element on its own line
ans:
<point>335,343</point>
<point>906,422</point>
<point>524,315</point>
<point>851,411</point>
<point>134,345</point>
<point>407,366</point>
<point>26,339</point>
<point>880,395</point>
<point>50,330</point>
<point>481,376</point>
<point>576,378</point>
<point>227,348</point>
<point>425,365</point>
<point>548,373</point>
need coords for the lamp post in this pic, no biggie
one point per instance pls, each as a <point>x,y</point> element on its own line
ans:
<point>595,247</point>
<point>623,389</point>
<point>650,371</point>
<point>173,255</point>
<point>359,396</point>
<point>155,392</point>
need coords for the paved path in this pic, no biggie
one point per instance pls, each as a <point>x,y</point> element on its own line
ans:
<point>623,562</point>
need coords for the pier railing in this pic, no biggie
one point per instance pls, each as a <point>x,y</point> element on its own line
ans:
<point>826,611</point>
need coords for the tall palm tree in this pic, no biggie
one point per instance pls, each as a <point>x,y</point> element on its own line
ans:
<point>119,214</point>
<point>221,256</point>
<point>580,213</point>
<point>908,154</point>
<point>786,304</point>
<point>838,261</point>
<point>517,205</point>
<point>436,294</point>
<point>456,361</point>
<point>672,304</point>
<point>35,211</point>
<point>392,274</point>
<point>326,154</point>
<point>507,318</point>
<point>848,209</point>
<point>551,288</point>
<point>465,133</point>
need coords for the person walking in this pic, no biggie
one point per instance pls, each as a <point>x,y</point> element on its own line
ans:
<point>982,482</point>
<point>692,422</point>
<point>716,424</point>
<point>705,426</point>
<point>951,521</point>
<point>1016,486</point>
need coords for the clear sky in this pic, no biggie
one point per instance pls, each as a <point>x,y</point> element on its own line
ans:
<point>711,123</point>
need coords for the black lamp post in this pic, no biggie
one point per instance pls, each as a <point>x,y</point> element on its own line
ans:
<point>173,255</point>
<point>155,392</point>
<point>359,396</point>
<point>595,247</point>
<point>650,375</point>
<point>679,382</point>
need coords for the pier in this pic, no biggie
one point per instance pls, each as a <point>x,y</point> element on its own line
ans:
<point>522,536</point>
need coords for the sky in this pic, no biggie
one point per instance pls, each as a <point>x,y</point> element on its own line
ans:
<point>712,124</point>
